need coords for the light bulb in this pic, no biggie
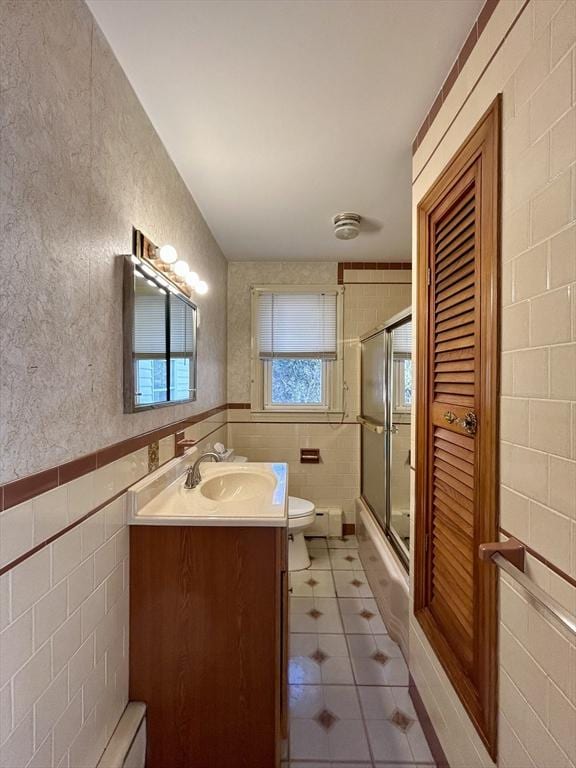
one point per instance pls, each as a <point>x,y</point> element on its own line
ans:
<point>181,268</point>
<point>202,288</point>
<point>168,254</point>
<point>192,278</point>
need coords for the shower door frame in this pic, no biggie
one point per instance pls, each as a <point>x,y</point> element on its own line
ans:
<point>386,329</point>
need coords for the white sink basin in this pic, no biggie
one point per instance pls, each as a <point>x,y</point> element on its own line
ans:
<point>228,494</point>
<point>237,486</point>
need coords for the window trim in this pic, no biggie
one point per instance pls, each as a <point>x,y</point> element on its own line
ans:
<point>398,385</point>
<point>334,369</point>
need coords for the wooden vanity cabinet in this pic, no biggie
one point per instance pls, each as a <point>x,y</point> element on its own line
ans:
<point>208,643</point>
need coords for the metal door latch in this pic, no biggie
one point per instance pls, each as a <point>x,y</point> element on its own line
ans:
<point>468,422</point>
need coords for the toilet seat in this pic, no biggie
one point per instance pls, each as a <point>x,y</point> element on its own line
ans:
<point>299,507</point>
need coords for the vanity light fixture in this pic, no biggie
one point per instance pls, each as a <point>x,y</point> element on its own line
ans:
<point>164,267</point>
<point>168,254</point>
<point>181,268</point>
<point>192,279</point>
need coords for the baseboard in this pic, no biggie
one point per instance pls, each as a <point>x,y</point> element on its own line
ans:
<point>348,529</point>
<point>427,727</point>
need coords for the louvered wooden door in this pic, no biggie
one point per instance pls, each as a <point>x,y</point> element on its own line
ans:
<point>456,594</point>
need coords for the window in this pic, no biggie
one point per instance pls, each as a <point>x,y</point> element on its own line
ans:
<point>297,344</point>
<point>160,364</point>
<point>402,367</point>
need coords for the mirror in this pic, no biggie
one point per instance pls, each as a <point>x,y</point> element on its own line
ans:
<point>160,329</point>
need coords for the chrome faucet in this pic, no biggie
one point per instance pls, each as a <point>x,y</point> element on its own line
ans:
<point>193,471</point>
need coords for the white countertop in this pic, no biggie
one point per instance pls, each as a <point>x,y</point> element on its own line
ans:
<point>176,505</point>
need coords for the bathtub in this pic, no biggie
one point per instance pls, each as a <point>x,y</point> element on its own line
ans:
<point>386,575</point>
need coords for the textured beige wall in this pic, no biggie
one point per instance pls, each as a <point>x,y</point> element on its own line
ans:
<point>241,276</point>
<point>535,69</point>
<point>80,164</point>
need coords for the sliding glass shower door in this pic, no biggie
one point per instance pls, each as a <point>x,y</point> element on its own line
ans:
<point>386,426</point>
<point>373,425</point>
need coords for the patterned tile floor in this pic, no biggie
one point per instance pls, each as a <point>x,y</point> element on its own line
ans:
<point>349,700</point>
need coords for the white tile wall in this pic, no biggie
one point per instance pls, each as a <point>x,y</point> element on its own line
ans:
<point>535,69</point>
<point>64,616</point>
<point>63,650</point>
<point>333,482</point>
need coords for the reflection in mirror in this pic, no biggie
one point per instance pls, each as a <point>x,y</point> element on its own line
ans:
<point>159,341</point>
<point>401,403</point>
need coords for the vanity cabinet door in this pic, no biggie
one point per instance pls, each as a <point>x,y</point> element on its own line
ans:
<point>205,644</point>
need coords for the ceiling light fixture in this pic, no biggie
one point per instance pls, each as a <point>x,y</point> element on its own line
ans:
<point>201,287</point>
<point>347,225</point>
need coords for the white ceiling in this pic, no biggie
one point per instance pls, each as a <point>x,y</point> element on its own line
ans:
<point>281,113</point>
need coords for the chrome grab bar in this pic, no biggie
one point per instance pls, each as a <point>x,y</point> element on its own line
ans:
<point>509,556</point>
<point>373,426</point>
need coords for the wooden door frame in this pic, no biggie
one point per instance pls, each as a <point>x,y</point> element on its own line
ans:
<point>480,698</point>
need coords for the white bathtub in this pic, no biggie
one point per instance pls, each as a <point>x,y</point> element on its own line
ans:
<point>387,576</point>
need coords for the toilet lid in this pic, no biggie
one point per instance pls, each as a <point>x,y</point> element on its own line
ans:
<point>299,507</point>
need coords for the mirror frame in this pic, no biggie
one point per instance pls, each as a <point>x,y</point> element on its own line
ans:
<point>128,301</point>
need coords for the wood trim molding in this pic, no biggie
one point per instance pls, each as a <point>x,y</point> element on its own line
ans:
<point>469,45</point>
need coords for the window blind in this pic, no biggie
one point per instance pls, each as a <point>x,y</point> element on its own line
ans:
<point>181,328</point>
<point>402,339</point>
<point>297,325</point>
<point>149,321</point>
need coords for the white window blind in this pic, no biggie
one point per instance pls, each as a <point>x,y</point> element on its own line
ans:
<point>297,325</point>
<point>402,339</point>
<point>149,321</point>
<point>181,328</point>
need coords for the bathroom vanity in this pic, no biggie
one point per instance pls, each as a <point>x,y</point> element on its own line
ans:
<point>208,616</point>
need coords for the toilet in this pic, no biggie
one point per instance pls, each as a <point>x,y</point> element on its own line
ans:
<point>301,515</point>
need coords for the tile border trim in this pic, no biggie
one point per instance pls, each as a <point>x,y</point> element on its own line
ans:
<point>43,544</point>
<point>361,265</point>
<point>26,488</point>
<point>469,44</point>
<point>429,730</point>
<point>558,571</point>
<point>470,92</point>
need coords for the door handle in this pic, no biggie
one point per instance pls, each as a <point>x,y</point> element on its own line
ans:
<point>468,422</point>
<point>371,425</point>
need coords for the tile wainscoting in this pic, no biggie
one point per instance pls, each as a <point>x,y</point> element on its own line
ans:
<point>526,52</point>
<point>64,605</point>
